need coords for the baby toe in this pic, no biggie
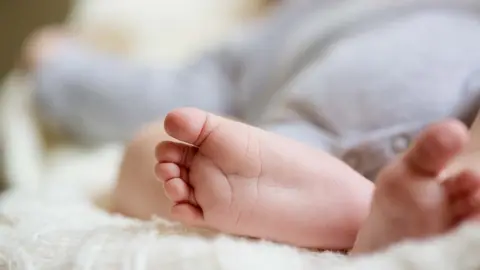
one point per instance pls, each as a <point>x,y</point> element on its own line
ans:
<point>174,152</point>
<point>188,214</point>
<point>461,185</point>
<point>177,190</point>
<point>463,192</point>
<point>167,171</point>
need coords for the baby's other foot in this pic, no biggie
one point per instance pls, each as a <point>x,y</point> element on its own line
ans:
<point>242,180</point>
<point>411,202</point>
<point>42,45</point>
<point>45,44</point>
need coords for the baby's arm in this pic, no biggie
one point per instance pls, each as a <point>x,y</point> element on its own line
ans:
<point>99,97</point>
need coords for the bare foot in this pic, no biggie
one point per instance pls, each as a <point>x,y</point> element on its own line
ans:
<point>411,202</point>
<point>43,44</point>
<point>241,180</point>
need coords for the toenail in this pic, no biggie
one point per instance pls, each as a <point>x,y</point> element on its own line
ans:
<point>400,143</point>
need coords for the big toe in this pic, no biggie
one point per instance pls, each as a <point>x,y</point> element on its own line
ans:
<point>190,125</point>
<point>436,147</point>
<point>429,155</point>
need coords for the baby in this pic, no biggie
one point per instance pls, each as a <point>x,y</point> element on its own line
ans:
<point>242,180</point>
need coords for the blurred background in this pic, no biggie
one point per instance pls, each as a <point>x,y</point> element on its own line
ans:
<point>19,18</point>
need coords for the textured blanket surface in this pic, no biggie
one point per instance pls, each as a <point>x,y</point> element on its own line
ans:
<point>60,229</point>
<point>53,215</point>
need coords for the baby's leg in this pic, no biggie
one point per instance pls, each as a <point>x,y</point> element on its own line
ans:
<point>137,193</point>
<point>101,97</point>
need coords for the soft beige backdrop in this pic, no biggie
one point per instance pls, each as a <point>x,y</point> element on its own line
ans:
<point>18,19</point>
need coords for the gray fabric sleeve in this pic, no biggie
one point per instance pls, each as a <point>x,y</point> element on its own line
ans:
<point>97,97</point>
<point>302,131</point>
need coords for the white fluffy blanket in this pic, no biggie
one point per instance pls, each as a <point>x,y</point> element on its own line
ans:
<point>52,218</point>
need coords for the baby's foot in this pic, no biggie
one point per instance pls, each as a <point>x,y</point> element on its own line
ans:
<point>42,45</point>
<point>410,201</point>
<point>242,180</point>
